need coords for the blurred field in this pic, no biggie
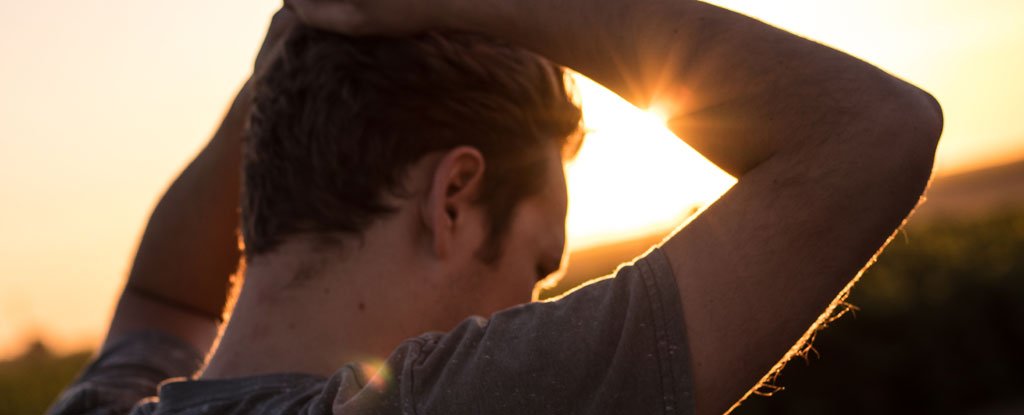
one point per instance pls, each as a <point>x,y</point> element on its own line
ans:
<point>940,325</point>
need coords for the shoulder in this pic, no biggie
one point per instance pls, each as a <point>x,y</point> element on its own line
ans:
<point>615,345</point>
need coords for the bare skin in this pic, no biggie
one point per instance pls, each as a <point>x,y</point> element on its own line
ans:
<point>831,155</point>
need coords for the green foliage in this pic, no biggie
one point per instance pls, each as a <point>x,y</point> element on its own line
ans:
<point>940,329</point>
<point>29,384</point>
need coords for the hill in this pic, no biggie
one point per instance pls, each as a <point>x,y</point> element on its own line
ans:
<point>973,194</point>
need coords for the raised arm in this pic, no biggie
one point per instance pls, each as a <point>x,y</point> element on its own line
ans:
<point>179,280</point>
<point>831,152</point>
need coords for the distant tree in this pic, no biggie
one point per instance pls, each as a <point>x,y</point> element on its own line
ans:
<point>30,383</point>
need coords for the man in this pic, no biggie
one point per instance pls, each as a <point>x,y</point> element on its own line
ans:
<point>456,210</point>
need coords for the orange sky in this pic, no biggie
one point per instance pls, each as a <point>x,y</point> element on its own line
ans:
<point>103,102</point>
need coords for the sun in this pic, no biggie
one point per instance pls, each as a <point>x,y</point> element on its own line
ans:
<point>632,176</point>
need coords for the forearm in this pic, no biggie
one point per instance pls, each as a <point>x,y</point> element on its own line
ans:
<point>737,90</point>
<point>190,248</point>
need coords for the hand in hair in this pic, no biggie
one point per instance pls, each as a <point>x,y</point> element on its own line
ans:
<point>280,26</point>
<point>369,17</point>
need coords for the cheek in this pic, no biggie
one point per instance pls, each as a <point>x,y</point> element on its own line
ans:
<point>518,265</point>
<point>516,287</point>
<point>508,285</point>
<point>486,289</point>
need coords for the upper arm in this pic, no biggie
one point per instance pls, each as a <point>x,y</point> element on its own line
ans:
<point>759,266</point>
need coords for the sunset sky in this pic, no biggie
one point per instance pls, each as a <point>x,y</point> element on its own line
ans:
<point>103,102</point>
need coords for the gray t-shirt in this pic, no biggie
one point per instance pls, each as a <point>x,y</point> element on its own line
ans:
<point>614,346</point>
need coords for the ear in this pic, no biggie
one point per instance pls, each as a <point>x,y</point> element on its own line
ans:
<point>454,187</point>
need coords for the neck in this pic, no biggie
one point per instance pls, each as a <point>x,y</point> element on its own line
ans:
<point>302,312</point>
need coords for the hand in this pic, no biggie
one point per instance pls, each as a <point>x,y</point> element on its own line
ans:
<point>369,17</point>
<point>280,26</point>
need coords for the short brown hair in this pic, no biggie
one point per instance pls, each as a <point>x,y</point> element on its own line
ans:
<point>337,120</point>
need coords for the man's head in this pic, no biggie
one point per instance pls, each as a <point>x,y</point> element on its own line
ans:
<point>347,133</point>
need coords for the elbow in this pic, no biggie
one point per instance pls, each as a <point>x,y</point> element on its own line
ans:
<point>921,128</point>
<point>928,121</point>
<point>907,156</point>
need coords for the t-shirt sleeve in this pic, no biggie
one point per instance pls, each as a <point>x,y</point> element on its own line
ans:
<point>614,346</point>
<point>126,372</point>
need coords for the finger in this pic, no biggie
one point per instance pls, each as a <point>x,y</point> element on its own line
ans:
<point>337,16</point>
<point>281,23</point>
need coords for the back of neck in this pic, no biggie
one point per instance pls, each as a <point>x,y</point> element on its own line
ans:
<point>293,318</point>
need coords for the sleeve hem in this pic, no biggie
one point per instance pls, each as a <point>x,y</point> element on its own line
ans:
<point>670,333</point>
